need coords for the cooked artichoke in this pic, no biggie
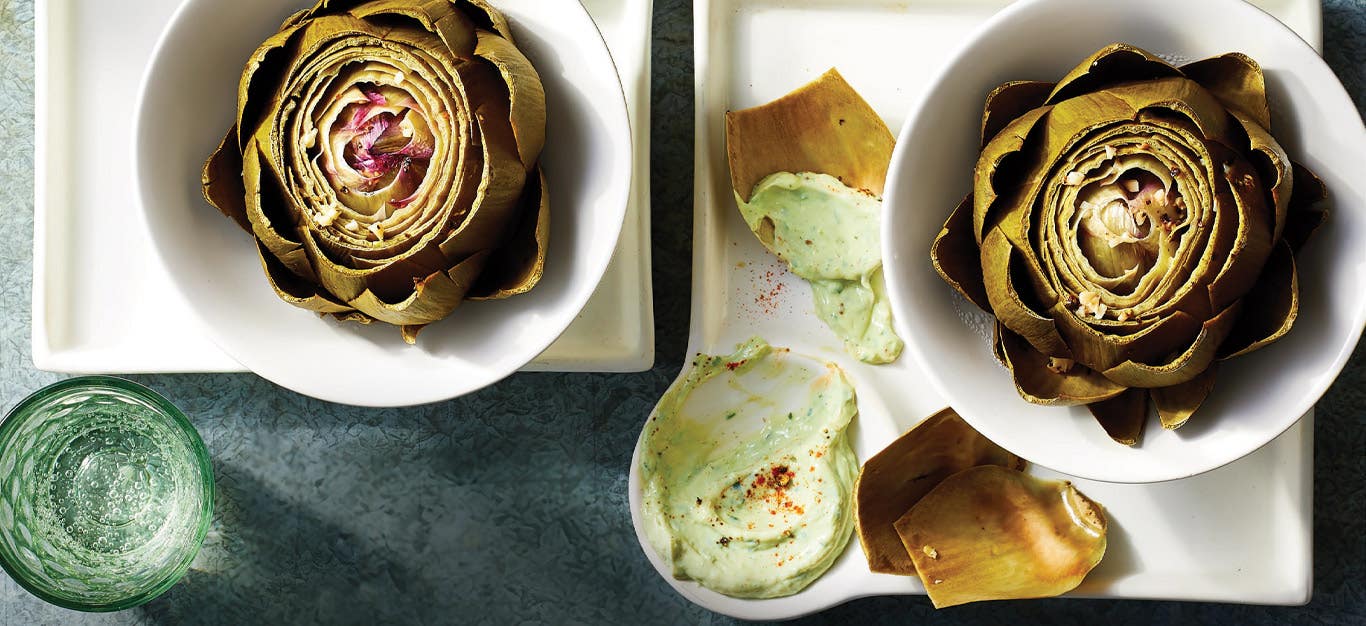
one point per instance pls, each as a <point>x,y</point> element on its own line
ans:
<point>385,159</point>
<point>991,533</point>
<point>893,480</point>
<point>1130,227</point>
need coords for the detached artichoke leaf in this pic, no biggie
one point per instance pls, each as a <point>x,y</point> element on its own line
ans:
<point>1176,404</point>
<point>1123,416</point>
<point>896,478</point>
<point>956,256</point>
<point>991,533</point>
<point>823,126</point>
<point>1050,381</point>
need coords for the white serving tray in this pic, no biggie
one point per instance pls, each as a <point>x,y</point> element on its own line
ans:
<point>1239,534</point>
<point>103,303</point>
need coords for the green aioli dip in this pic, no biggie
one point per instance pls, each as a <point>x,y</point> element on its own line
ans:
<point>828,234</point>
<point>747,473</point>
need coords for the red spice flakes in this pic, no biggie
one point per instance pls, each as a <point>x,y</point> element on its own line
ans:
<point>768,290</point>
<point>733,365</point>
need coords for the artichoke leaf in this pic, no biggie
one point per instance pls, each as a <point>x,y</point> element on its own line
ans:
<point>1307,210</point>
<point>1185,365</point>
<point>495,18</point>
<point>1176,404</point>
<point>1048,381</point>
<point>517,267</point>
<point>823,127</point>
<point>455,29</point>
<point>998,260</point>
<point>433,297</point>
<point>222,181</point>
<point>293,290</point>
<point>957,258</point>
<point>1021,182</point>
<point>1270,308</point>
<point>893,480</point>
<point>1010,101</point>
<point>1237,81</point>
<point>1123,416</point>
<point>1114,64</point>
<point>526,95</point>
<point>500,187</point>
<point>991,533</point>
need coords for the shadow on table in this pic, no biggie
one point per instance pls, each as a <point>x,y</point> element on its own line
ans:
<point>269,561</point>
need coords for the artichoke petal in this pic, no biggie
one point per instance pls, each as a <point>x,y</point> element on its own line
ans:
<point>1111,65</point>
<point>893,480</point>
<point>526,96</point>
<point>222,181</point>
<point>1237,81</point>
<point>991,533</point>
<point>1307,210</point>
<point>1010,101</point>
<point>433,297</point>
<point>1176,404</point>
<point>517,267</point>
<point>1270,308</point>
<point>1187,364</point>
<point>294,290</point>
<point>823,126</point>
<point>1123,416</point>
<point>1045,380</point>
<point>957,258</point>
<point>999,258</point>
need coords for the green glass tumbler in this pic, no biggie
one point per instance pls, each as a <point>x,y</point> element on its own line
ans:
<point>106,493</point>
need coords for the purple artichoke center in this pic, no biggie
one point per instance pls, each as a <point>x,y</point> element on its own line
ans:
<point>381,146</point>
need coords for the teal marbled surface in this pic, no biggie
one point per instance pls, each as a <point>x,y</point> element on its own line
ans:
<point>509,505</point>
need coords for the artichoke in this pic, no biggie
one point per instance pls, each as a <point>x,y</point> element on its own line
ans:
<point>1130,227</point>
<point>385,157</point>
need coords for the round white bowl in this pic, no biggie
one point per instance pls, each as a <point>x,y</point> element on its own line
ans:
<point>188,101</point>
<point>1256,397</point>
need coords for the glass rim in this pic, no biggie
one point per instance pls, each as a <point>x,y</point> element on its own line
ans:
<point>23,411</point>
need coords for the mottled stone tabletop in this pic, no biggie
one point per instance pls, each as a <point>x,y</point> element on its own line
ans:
<point>509,505</point>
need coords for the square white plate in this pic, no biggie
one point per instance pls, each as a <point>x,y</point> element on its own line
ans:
<point>103,303</point>
<point>1242,533</point>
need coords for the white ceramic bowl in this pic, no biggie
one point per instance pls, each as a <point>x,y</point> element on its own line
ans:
<point>1256,397</point>
<point>188,101</point>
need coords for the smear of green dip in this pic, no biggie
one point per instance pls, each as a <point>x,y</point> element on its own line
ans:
<point>828,234</point>
<point>747,473</point>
